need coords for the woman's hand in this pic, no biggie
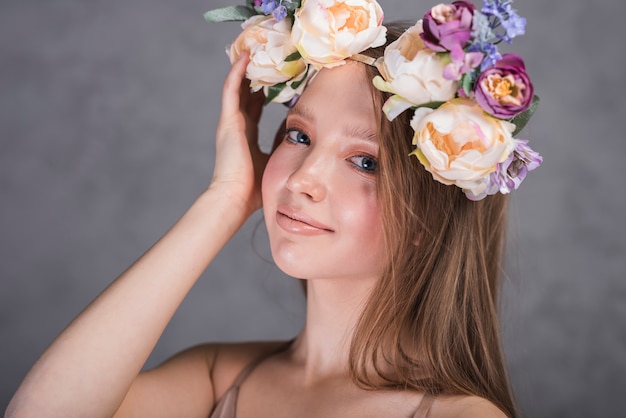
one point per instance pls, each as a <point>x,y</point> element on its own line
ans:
<point>239,161</point>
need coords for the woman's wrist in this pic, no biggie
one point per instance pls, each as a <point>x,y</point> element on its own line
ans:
<point>233,204</point>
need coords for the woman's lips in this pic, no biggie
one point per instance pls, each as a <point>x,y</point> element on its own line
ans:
<point>299,223</point>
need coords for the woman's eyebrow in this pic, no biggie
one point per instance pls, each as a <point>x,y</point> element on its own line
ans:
<point>356,131</point>
<point>302,112</point>
<point>352,131</point>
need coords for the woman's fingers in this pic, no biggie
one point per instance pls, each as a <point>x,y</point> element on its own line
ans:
<point>241,109</point>
<point>234,86</point>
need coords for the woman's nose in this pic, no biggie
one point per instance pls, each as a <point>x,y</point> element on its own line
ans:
<point>309,177</point>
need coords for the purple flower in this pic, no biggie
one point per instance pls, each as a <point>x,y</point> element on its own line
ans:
<point>447,25</point>
<point>505,89</point>
<point>268,6</point>
<point>274,7</point>
<point>510,173</point>
<point>513,24</point>
<point>461,63</point>
<point>489,51</point>
<point>279,13</point>
<point>496,8</point>
<point>279,9</point>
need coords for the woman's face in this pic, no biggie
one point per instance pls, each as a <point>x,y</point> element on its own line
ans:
<point>319,190</point>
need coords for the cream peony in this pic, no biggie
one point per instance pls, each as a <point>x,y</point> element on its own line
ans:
<point>460,144</point>
<point>413,73</point>
<point>269,44</point>
<point>326,32</point>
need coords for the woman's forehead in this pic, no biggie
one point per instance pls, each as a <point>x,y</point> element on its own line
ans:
<point>341,92</point>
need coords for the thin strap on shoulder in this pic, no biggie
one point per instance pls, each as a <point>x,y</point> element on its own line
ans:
<point>247,370</point>
<point>253,364</point>
<point>226,407</point>
<point>424,407</point>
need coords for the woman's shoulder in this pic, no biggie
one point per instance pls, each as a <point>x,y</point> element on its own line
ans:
<point>229,360</point>
<point>190,377</point>
<point>448,406</point>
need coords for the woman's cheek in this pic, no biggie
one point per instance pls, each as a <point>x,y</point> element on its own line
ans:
<point>275,172</point>
<point>279,136</point>
<point>267,179</point>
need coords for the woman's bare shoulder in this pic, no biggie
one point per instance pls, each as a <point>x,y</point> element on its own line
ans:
<point>196,378</point>
<point>446,406</point>
<point>229,359</point>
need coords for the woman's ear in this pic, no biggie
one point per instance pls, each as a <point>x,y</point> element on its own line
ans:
<point>279,134</point>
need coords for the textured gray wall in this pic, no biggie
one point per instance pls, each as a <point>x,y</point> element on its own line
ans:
<point>107,114</point>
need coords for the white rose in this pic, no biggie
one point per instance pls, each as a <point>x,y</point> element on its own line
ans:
<point>460,144</point>
<point>269,43</point>
<point>413,73</point>
<point>326,32</point>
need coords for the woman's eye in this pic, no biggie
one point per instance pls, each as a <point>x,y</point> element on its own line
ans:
<point>365,163</point>
<point>297,137</point>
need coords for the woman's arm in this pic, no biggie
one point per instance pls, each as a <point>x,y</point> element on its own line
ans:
<point>90,367</point>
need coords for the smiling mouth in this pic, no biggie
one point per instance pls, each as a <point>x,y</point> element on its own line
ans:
<point>299,223</point>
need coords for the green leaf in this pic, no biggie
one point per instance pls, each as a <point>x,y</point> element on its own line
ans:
<point>432,105</point>
<point>229,14</point>
<point>292,6</point>
<point>274,91</point>
<point>293,57</point>
<point>521,119</point>
<point>295,84</point>
<point>466,84</point>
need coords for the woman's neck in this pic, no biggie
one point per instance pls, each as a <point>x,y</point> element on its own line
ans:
<point>333,310</point>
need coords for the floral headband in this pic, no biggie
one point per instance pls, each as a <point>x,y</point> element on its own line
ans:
<point>469,101</point>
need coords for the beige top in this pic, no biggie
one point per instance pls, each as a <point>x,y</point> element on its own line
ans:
<point>227,406</point>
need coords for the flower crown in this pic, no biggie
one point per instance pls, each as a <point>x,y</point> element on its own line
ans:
<point>469,101</point>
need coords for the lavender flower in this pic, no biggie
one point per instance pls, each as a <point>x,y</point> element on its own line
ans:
<point>497,21</point>
<point>514,26</point>
<point>274,7</point>
<point>504,15</point>
<point>481,28</point>
<point>511,172</point>
<point>489,51</point>
<point>279,13</point>
<point>495,7</point>
<point>268,6</point>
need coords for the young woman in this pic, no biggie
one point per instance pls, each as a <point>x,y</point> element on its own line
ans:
<point>401,270</point>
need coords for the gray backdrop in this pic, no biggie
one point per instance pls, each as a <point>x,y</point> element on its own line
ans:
<point>107,113</point>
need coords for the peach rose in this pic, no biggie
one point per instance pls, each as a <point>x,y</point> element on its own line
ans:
<point>413,73</point>
<point>460,144</point>
<point>269,43</point>
<point>326,32</point>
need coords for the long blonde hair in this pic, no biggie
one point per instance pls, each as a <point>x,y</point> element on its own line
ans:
<point>431,324</point>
